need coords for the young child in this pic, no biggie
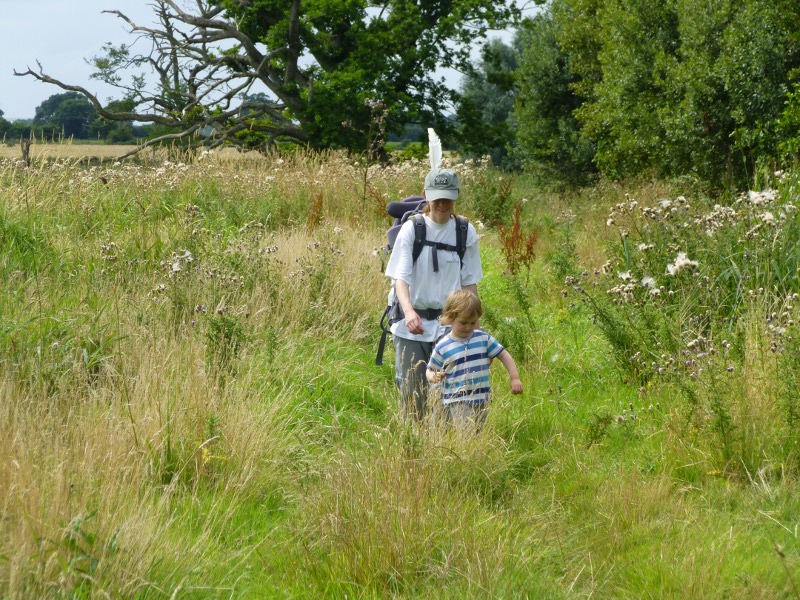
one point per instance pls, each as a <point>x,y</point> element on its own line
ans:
<point>460,362</point>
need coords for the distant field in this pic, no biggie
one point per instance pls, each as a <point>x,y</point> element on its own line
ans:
<point>65,150</point>
<point>77,151</point>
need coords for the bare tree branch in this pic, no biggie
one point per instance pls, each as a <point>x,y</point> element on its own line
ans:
<point>224,71</point>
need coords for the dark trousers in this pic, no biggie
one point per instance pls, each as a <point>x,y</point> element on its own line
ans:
<point>410,363</point>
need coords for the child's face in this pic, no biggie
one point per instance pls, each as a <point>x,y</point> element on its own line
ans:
<point>463,325</point>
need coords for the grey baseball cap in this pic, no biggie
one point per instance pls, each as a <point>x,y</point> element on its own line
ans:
<point>441,184</point>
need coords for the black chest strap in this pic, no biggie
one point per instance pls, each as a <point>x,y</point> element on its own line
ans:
<point>420,240</point>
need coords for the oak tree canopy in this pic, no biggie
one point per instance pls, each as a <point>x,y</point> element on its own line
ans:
<point>252,72</point>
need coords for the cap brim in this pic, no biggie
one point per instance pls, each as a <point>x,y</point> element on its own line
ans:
<point>441,194</point>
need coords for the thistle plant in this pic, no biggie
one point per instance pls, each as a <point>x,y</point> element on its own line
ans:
<point>677,268</point>
<point>677,299</point>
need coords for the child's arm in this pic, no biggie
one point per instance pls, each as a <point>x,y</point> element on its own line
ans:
<point>434,376</point>
<point>508,362</point>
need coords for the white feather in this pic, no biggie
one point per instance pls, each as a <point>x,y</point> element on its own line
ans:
<point>434,149</point>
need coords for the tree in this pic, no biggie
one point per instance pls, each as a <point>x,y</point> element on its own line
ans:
<point>5,126</point>
<point>120,131</point>
<point>625,117</point>
<point>550,140</point>
<point>671,89</point>
<point>10,133</point>
<point>69,113</point>
<point>320,62</point>
<point>485,111</point>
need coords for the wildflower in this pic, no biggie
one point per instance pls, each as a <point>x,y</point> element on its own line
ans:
<point>648,282</point>
<point>625,276</point>
<point>681,262</point>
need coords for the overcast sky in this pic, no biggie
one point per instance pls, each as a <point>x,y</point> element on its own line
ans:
<point>61,35</point>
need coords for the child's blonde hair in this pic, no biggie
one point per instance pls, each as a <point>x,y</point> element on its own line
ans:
<point>461,303</point>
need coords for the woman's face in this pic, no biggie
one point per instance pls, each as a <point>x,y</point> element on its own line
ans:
<point>441,210</point>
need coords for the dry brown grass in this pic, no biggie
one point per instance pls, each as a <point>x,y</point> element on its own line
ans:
<point>108,455</point>
<point>65,150</point>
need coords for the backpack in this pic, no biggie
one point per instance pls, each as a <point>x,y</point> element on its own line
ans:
<point>402,211</point>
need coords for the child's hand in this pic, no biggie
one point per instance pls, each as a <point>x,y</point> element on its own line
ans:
<point>434,376</point>
<point>516,386</point>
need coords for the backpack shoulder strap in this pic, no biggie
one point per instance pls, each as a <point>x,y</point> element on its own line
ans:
<point>420,238</point>
<point>420,235</point>
<point>462,228</point>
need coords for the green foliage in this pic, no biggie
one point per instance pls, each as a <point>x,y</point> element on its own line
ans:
<point>79,553</point>
<point>114,132</point>
<point>68,113</point>
<point>132,471</point>
<point>225,336</point>
<point>563,259</point>
<point>484,112</point>
<point>491,198</point>
<point>550,143</point>
<point>518,250</point>
<point>12,133</point>
<point>789,126</point>
<point>123,134</point>
<point>679,296</point>
<point>665,88</point>
<point>787,352</point>
<point>320,60</point>
<point>416,150</point>
<point>22,248</point>
<point>97,349</point>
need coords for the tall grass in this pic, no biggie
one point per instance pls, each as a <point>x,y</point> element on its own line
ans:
<point>189,405</point>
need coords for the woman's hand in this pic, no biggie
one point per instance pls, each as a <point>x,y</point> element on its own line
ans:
<point>413,322</point>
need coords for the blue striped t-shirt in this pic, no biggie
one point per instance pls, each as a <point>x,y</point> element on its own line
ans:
<point>466,366</point>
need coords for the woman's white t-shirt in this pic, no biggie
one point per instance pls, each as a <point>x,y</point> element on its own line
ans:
<point>429,289</point>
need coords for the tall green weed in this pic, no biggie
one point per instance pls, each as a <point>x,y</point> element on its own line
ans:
<point>682,283</point>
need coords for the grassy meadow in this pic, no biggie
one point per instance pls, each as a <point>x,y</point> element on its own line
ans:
<point>189,405</point>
